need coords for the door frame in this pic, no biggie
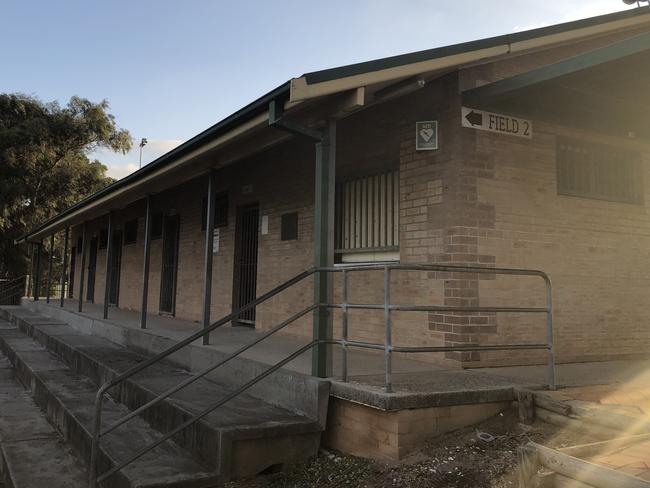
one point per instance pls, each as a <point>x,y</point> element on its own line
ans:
<point>177,217</point>
<point>237,257</point>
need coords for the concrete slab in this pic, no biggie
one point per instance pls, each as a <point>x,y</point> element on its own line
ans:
<point>42,462</point>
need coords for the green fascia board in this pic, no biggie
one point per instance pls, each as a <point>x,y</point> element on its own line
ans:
<point>492,92</point>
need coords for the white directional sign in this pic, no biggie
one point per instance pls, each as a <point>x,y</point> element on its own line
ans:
<point>503,124</point>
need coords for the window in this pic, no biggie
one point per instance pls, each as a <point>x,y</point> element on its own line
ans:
<point>220,210</point>
<point>80,241</point>
<point>597,171</point>
<point>367,218</point>
<point>289,227</point>
<point>156,225</point>
<point>130,232</point>
<point>103,238</point>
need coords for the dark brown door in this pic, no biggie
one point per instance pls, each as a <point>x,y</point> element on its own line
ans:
<point>115,265</point>
<point>245,272</point>
<point>92,270</point>
<point>169,270</point>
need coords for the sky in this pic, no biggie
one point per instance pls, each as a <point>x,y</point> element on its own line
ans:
<point>170,69</point>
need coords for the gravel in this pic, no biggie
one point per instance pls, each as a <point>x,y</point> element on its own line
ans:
<point>459,459</point>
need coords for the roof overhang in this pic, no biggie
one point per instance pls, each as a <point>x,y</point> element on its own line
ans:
<point>605,90</point>
<point>326,82</point>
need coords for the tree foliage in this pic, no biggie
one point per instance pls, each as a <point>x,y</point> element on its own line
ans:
<point>44,163</point>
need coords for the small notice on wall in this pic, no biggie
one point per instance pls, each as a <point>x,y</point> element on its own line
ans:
<point>493,122</point>
<point>264,227</point>
<point>426,135</point>
<point>215,240</point>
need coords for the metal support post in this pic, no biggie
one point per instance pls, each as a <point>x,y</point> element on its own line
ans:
<point>83,265</point>
<point>207,262</point>
<point>30,277</point>
<point>388,342</point>
<point>324,249</point>
<point>50,257</point>
<point>107,267</point>
<point>344,326</point>
<point>145,265</point>
<point>37,277</point>
<point>552,373</point>
<point>64,269</point>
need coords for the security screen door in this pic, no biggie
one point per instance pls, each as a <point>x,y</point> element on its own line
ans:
<point>245,283</point>
<point>92,270</point>
<point>169,265</point>
<point>115,265</point>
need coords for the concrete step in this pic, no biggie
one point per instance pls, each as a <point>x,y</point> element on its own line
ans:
<point>68,399</point>
<point>32,452</point>
<point>241,438</point>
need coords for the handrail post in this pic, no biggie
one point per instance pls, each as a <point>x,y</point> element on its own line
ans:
<point>344,326</point>
<point>92,468</point>
<point>552,373</point>
<point>388,342</point>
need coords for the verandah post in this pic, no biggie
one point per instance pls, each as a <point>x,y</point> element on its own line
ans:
<point>207,262</point>
<point>145,265</point>
<point>109,255</point>
<point>49,270</point>
<point>37,273</point>
<point>64,269</point>
<point>83,265</point>
<point>324,247</point>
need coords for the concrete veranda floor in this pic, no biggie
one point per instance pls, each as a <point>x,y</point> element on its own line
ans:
<point>367,367</point>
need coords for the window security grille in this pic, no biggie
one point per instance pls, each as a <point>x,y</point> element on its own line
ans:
<point>597,171</point>
<point>289,227</point>
<point>156,225</point>
<point>130,232</point>
<point>367,217</point>
<point>220,210</point>
<point>103,238</point>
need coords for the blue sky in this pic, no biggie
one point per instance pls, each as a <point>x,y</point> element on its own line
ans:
<point>170,69</point>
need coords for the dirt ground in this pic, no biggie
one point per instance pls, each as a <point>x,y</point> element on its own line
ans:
<point>458,459</point>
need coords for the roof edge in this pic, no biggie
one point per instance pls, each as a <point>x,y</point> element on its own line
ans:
<point>326,82</point>
<point>222,127</point>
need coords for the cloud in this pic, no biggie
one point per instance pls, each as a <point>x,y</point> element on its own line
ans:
<point>121,165</point>
<point>534,25</point>
<point>120,171</point>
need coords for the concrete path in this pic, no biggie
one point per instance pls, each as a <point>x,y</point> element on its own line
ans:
<point>367,367</point>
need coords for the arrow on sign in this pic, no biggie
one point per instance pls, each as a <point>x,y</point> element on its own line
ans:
<point>474,118</point>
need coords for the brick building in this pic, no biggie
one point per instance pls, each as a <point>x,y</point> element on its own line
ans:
<point>326,170</point>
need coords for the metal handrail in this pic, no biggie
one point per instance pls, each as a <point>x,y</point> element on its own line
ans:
<point>388,348</point>
<point>10,287</point>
